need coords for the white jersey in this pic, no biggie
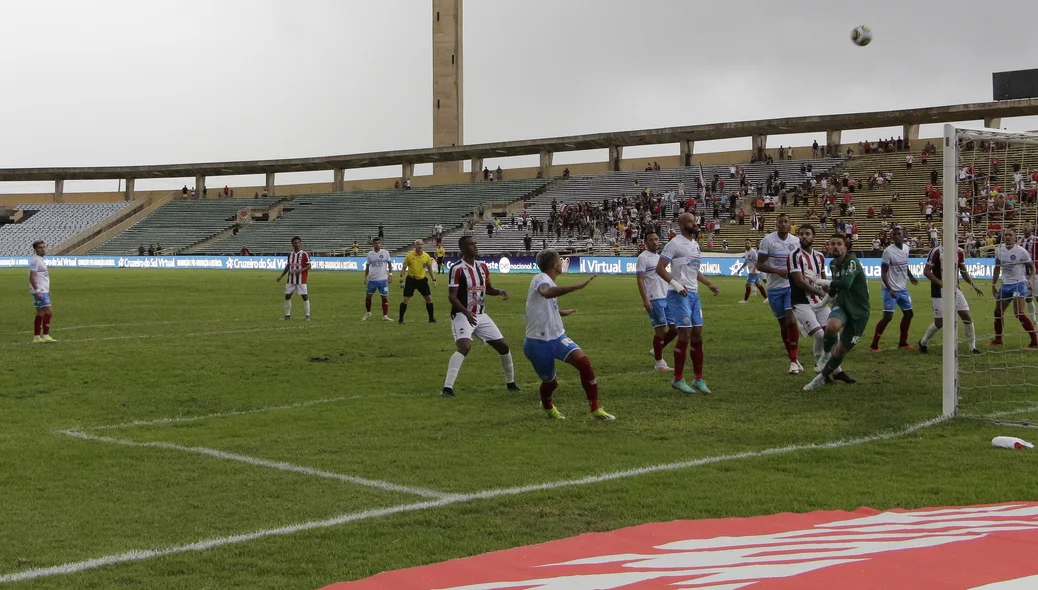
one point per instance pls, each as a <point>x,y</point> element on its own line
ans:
<point>750,260</point>
<point>685,259</point>
<point>378,265</point>
<point>778,250</point>
<point>543,321</point>
<point>1014,264</point>
<point>38,266</point>
<point>896,260</point>
<point>655,287</point>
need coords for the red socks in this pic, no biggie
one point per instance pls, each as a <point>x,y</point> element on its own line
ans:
<point>696,353</point>
<point>882,325</point>
<point>657,348</point>
<point>37,325</point>
<point>791,338</point>
<point>749,289</point>
<point>46,324</point>
<point>679,359</point>
<point>546,390</point>
<point>1028,326</point>
<point>587,379</point>
<point>905,324</point>
<point>385,306</point>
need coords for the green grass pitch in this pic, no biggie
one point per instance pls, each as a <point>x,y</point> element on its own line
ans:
<point>146,345</point>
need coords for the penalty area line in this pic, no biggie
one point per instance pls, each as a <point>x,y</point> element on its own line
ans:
<point>256,462</point>
<point>204,545</point>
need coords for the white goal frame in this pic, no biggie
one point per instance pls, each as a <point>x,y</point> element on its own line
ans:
<point>950,240</point>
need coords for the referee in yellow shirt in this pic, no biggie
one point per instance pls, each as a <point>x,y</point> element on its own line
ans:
<point>413,278</point>
<point>440,255</point>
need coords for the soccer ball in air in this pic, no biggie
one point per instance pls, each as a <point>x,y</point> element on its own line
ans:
<point>861,35</point>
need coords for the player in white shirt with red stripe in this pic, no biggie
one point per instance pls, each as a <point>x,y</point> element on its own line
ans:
<point>467,290</point>
<point>1014,265</point>
<point>895,274</point>
<point>806,265</point>
<point>1030,243</point>
<point>297,267</point>
<point>933,271</point>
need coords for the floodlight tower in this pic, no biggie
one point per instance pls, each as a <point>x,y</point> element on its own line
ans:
<point>448,114</point>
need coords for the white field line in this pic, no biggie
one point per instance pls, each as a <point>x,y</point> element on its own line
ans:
<point>315,402</point>
<point>138,325</point>
<point>145,554</point>
<point>279,465</point>
<point>174,335</point>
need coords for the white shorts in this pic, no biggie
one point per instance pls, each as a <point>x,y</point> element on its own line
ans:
<point>486,330</point>
<point>809,319</point>
<point>290,289</point>
<point>960,304</point>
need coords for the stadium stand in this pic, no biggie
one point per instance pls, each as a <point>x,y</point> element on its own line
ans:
<point>53,223</point>
<point>329,223</point>
<point>180,224</point>
<point>593,190</point>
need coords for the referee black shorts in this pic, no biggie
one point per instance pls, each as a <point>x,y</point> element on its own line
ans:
<point>412,284</point>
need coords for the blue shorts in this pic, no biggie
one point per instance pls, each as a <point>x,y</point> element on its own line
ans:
<point>684,312</point>
<point>895,299</point>
<point>1012,291</point>
<point>543,354</point>
<point>780,301</point>
<point>41,300</point>
<point>753,279</point>
<point>381,286</point>
<point>658,315</point>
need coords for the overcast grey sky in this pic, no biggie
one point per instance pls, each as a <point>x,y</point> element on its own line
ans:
<point>111,82</point>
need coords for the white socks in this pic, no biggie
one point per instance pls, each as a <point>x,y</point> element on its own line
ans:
<point>306,307</point>
<point>930,331</point>
<point>971,334</point>
<point>453,367</point>
<point>819,347</point>
<point>508,367</point>
<point>288,307</point>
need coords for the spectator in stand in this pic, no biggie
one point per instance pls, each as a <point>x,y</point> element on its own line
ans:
<point>151,249</point>
<point>928,211</point>
<point>141,250</point>
<point>850,210</point>
<point>245,252</point>
<point>814,149</point>
<point>908,161</point>
<point>183,191</point>
<point>875,244</point>
<point>499,174</point>
<point>924,157</point>
<point>933,176</point>
<point>356,248</point>
<point>486,173</point>
<point>741,215</point>
<point>226,190</point>
<point>732,170</point>
<point>994,166</point>
<point>527,242</point>
<point>565,173</point>
<point>870,213</point>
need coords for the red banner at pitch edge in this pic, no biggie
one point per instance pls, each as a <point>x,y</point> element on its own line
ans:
<point>993,547</point>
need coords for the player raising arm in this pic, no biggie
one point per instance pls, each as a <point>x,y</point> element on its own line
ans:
<point>467,290</point>
<point>684,309</point>
<point>932,271</point>
<point>546,339</point>
<point>1014,260</point>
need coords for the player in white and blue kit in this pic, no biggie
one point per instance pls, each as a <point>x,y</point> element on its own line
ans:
<point>749,262</point>
<point>684,309</point>
<point>773,258</point>
<point>546,339</point>
<point>1014,265</point>
<point>895,274</point>
<point>39,287</point>
<point>378,271</point>
<point>654,299</point>
<point>1030,243</point>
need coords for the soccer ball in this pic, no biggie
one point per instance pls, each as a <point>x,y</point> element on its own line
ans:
<point>861,36</point>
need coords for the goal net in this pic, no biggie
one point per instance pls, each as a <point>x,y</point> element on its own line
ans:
<point>993,205</point>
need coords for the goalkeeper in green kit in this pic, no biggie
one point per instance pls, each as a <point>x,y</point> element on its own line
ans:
<point>849,315</point>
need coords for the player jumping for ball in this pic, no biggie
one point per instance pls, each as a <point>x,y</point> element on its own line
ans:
<point>297,267</point>
<point>849,315</point>
<point>546,339</point>
<point>1015,266</point>
<point>467,290</point>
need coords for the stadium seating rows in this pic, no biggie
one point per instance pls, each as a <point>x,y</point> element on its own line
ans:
<point>53,223</point>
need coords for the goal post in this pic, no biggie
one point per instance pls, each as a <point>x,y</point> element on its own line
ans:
<point>1003,380</point>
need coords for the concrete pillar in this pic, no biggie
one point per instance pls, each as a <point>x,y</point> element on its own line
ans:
<point>477,169</point>
<point>59,190</point>
<point>128,192</point>
<point>758,143</point>
<point>993,122</point>
<point>407,171</point>
<point>546,159</point>
<point>338,180</point>
<point>616,155</point>
<point>448,84</point>
<point>270,183</point>
<point>687,146</point>
<point>200,186</point>
<point>910,132</point>
<point>834,139</point>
